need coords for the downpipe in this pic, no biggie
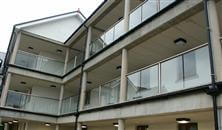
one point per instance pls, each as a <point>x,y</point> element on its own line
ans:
<point>213,90</point>
<point>80,88</point>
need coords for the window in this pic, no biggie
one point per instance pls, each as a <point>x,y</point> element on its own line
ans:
<point>190,126</point>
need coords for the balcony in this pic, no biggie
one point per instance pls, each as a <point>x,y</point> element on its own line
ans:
<point>137,16</point>
<point>185,70</point>
<point>31,103</point>
<point>39,63</point>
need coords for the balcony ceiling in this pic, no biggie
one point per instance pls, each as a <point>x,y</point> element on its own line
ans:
<point>16,84</point>
<point>155,49</point>
<point>39,45</point>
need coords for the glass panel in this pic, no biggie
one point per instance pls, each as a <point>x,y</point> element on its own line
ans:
<point>172,75</point>
<point>26,60</point>
<point>40,63</point>
<point>133,90</point>
<point>32,103</point>
<point>92,98</point>
<point>135,18</point>
<point>50,66</point>
<point>197,68</point>
<point>79,59</point>
<point>148,85</point>
<point>69,105</point>
<point>109,37</point>
<point>110,93</point>
<point>96,46</point>
<point>119,29</point>
<point>149,8</point>
<point>149,81</point>
<point>165,3</point>
<point>71,64</point>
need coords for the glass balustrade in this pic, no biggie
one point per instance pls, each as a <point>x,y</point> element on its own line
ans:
<point>92,98</point>
<point>110,93</point>
<point>165,3</point>
<point>116,31</point>
<point>104,95</point>
<point>187,70</point>
<point>69,105</point>
<point>74,62</point>
<point>32,103</point>
<point>143,83</point>
<point>39,63</point>
<point>143,12</point>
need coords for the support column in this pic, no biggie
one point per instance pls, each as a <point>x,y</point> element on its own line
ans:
<point>57,127</point>
<point>79,126</point>
<point>124,71</point>
<point>66,60</point>
<point>215,38</point>
<point>26,126</point>
<point>89,39</point>
<point>126,15</point>
<point>83,91</point>
<point>15,49</point>
<point>121,123</point>
<point>60,99</point>
<point>5,89</point>
<point>124,66</point>
<point>5,126</point>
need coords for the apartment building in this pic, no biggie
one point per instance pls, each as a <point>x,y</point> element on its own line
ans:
<point>2,57</point>
<point>132,65</point>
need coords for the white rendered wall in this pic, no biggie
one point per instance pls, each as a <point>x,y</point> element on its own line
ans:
<point>58,30</point>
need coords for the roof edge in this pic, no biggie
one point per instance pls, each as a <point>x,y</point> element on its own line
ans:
<point>83,24</point>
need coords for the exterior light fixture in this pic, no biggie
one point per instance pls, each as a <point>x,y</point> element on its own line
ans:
<point>47,124</point>
<point>180,42</point>
<point>31,48</point>
<point>183,120</point>
<point>59,51</point>
<point>89,82</point>
<point>116,124</point>
<point>9,122</point>
<point>52,86</point>
<point>118,67</point>
<point>23,82</point>
<point>84,126</point>
<point>15,121</point>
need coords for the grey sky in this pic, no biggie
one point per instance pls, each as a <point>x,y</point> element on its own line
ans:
<point>17,11</point>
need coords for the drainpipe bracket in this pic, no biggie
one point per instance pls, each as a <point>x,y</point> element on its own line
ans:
<point>212,90</point>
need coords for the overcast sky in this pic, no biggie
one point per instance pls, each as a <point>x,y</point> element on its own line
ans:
<point>17,11</point>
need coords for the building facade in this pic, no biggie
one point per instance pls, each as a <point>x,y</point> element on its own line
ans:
<point>132,65</point>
